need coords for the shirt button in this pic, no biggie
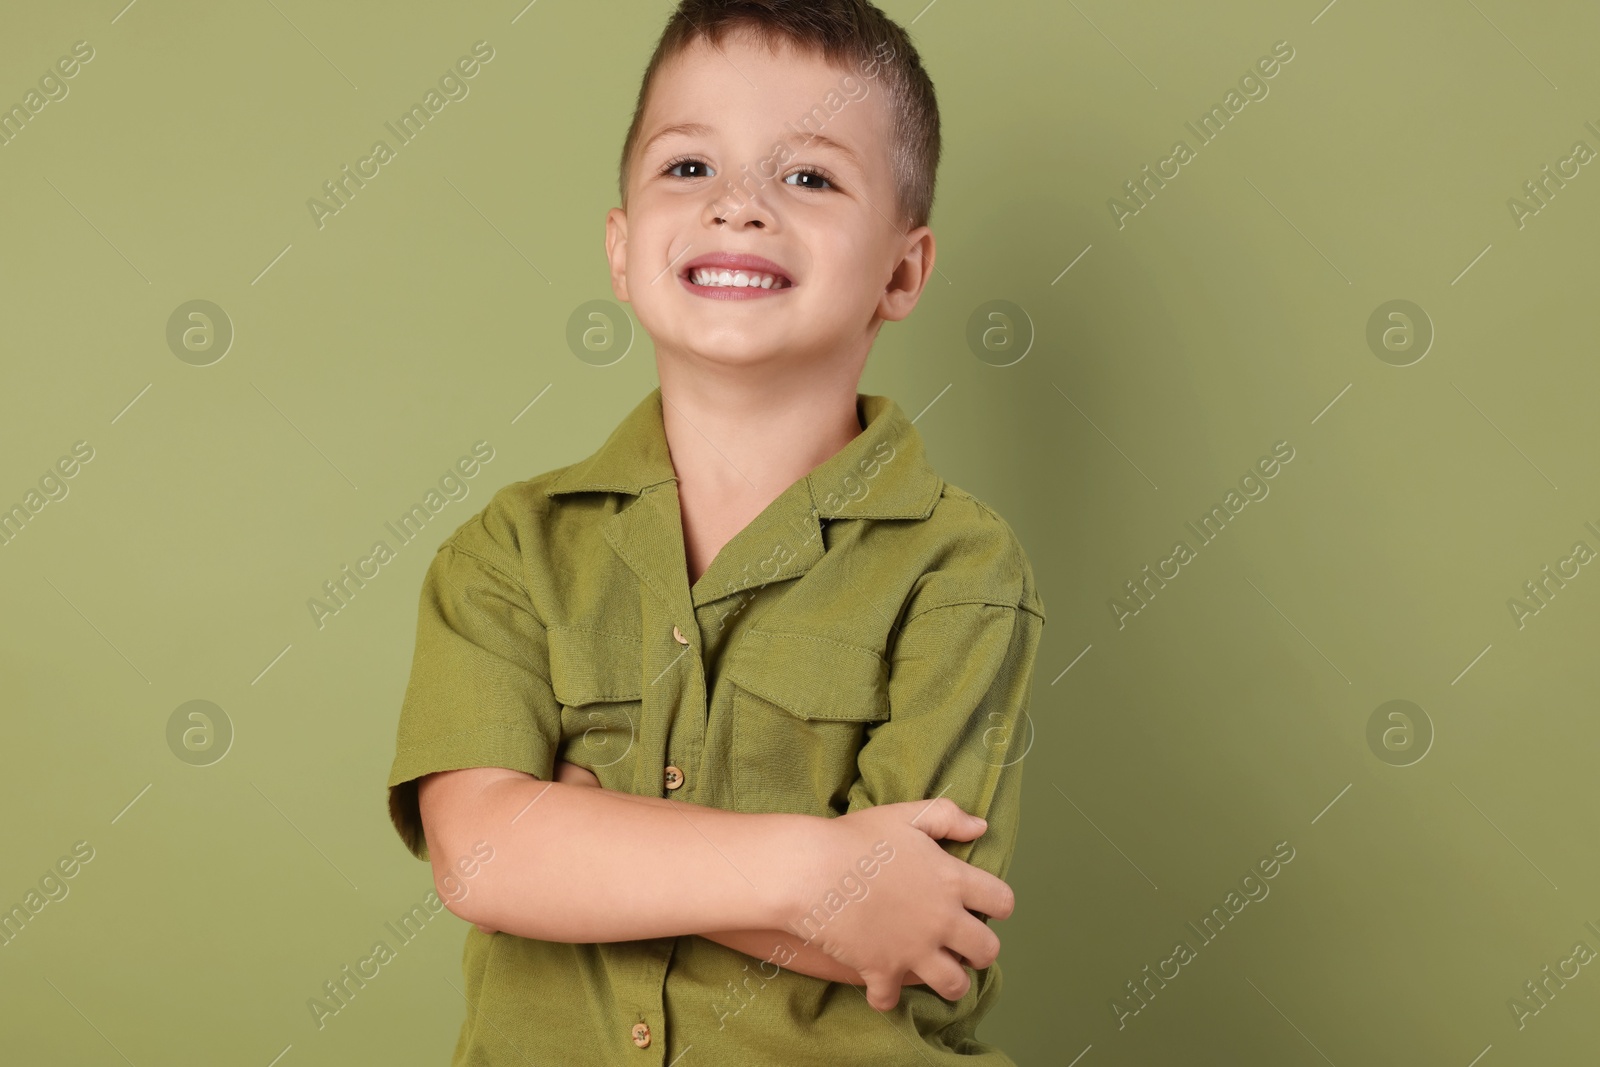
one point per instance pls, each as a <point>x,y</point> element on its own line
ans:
<point>674,777</point>
<point>677,635</point>
<point>641,1034</point>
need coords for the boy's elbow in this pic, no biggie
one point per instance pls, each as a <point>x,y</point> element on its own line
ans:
<point>459,875</point>
<point>462,860</point>
<point>450,894</point>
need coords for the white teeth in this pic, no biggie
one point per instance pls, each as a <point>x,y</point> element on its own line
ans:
<point>733,279</point>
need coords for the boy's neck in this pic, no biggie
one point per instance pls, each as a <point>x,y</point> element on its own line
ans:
<point>742,448</point>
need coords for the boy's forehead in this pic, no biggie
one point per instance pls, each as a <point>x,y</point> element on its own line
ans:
<point>741,88</point>
<point>743,58</point>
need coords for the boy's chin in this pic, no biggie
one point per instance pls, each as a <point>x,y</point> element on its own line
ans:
<point>763,352</point>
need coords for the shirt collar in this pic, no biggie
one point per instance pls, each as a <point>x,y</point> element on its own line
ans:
<point>882,473</point>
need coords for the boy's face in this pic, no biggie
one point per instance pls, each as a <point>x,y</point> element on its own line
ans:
<point>835,237</point>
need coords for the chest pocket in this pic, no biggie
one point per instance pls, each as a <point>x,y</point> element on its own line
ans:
<point>598,678</point>
<point>801,709</point>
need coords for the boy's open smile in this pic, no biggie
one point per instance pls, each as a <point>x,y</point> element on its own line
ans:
<point>734,276</point>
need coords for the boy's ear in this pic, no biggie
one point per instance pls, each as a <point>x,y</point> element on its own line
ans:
<point>909,277</point>
<point>617,251</point>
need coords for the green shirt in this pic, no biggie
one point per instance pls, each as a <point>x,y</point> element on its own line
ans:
<point>868,638</point>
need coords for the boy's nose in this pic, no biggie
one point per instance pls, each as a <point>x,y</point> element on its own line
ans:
<point>736,205</point>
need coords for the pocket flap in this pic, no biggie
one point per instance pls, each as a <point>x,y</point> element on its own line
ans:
<point>812,677</point>
<point>588,666</point>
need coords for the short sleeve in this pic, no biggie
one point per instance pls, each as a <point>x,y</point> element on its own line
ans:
<point>960,678</point>
<point>479,692</point>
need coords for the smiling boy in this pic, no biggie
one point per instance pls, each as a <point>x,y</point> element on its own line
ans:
<point>715,694</point>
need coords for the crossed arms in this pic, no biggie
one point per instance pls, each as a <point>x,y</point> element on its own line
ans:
<point>958,689</point>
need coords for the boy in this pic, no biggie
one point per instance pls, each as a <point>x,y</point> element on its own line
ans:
<point>687,720</point>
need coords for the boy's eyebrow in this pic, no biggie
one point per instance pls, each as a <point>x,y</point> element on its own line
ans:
<point>700,129</point>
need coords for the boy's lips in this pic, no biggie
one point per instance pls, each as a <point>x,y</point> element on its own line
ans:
<point>734,262</point>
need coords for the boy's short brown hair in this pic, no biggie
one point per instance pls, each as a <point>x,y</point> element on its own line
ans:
<point>846,33</point>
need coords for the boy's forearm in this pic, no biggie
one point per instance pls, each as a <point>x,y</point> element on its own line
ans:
<point>785,949</point>
<point>782,949</point>
<point>779,947</point>
<point>578,864</point>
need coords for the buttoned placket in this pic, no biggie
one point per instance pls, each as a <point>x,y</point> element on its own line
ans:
<point>646,536</point>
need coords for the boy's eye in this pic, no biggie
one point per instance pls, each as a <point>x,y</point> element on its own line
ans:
<point>687,161</point>
<point>817,174</point>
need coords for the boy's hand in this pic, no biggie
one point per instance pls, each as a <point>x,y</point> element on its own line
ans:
<point>572,774</point>
<point>917,913</point>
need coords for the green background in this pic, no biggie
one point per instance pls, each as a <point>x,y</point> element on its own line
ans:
<point>1169,754</point>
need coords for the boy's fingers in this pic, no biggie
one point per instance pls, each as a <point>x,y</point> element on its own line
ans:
<point>945,976</point>
<point>987,896</point>
<point>881,995</point>
<point>974,945</point>
<point>944,819</point>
